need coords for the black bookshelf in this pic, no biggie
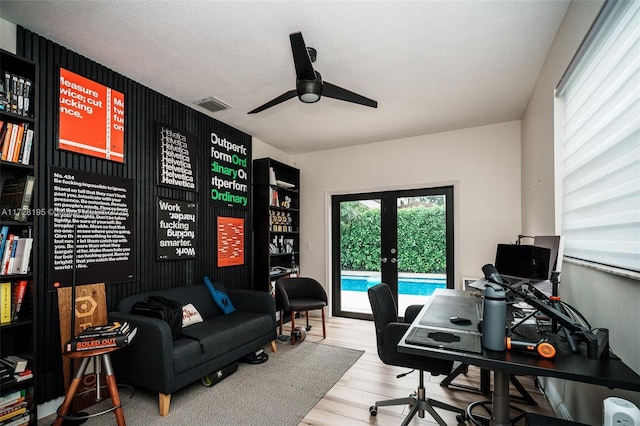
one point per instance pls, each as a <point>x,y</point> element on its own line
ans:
<point>276,192</point>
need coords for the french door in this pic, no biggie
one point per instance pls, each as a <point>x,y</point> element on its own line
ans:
<point>401,238</point>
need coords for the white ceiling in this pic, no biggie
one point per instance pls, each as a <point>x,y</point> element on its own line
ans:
<point>433,66</point>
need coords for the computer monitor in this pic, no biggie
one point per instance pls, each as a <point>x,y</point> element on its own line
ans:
<point>523,261</point>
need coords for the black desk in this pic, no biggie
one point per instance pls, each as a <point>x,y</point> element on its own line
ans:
<point>611,372</point>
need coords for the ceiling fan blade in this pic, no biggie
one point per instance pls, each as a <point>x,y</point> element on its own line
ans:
<point>273,102</point>
<point>301,59</point>
<point>332,91</point>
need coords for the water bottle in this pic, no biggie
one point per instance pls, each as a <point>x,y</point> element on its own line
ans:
<point>494,318</point>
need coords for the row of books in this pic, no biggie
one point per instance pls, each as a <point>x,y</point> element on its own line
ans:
<point>16,198</point>
<point>110,335</point>
<point>14,409</point>
<point>16,142</point>
<point>14,369</point>
<point>12,297</point>
<point>15,94</point>
<point>15,251</point>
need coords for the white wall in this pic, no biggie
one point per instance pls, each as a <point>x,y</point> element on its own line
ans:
<point>482,163</point>
<point>260,149</point>
<point>606,300</point>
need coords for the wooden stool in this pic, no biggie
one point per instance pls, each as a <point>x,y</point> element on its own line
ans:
<point>86,356</point>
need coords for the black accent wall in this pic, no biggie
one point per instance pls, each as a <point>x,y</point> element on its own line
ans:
<point>143,108</point>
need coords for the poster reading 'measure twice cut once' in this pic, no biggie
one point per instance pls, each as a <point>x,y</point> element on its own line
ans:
<point>91,118</point>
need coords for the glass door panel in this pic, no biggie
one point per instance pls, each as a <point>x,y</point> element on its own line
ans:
<point>401,238</point>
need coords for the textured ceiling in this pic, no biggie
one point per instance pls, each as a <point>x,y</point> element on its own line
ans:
<point>432,66</point>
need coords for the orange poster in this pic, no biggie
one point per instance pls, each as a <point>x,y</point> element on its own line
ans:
<point>91,118</point>
<point>230,241</point>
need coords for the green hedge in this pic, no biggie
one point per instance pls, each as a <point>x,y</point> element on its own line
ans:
<point>421,239</point>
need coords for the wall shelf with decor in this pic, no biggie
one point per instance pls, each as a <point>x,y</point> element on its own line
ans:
<point>18,230</point>
<point>276,218</point>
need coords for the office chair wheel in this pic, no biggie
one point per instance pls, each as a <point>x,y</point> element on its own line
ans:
<point>373,410</point>
<point>461,419</point>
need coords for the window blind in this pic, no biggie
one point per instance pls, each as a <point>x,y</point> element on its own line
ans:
<point>600,97</point>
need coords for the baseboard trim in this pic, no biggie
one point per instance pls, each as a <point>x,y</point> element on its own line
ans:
<point>50,407</point>
<point>553,394</point>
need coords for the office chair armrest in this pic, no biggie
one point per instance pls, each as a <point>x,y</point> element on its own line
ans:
<point>411,313</point>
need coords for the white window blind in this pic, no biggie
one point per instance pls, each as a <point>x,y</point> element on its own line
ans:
<point>600,94</point>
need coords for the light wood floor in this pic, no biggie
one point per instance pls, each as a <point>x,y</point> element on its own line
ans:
<point>369,380</point>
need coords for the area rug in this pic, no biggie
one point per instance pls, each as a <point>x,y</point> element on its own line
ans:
<point>279,392</point>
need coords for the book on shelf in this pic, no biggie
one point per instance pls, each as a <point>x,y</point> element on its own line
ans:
<point>22,256</point>
<point>5,302</point>
<point>6,254</point>
<point>19,291</point>
<point>112,329</point>
<point>4,233</point>
<point>13,410</point>
<point>7,140</point>
<point>16,198</point>
<point>21,420</point>
<point>13,397</point>
<point>78,345</point>
<point>18,364</point>
<point>23,375</point>
<point>25,154</point>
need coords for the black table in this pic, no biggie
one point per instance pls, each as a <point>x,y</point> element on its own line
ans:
<point>610,372</point>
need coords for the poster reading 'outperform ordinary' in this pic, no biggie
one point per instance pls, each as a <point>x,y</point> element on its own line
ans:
<point>91,118</point>
<point>177,149</point>
<point>230,241</point>
<point>177,232</point>
<point>91,228</point>
<point>229,172</point>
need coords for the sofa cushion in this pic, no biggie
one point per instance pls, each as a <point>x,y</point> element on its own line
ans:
<point>218,336</point>
<point>190,315</point>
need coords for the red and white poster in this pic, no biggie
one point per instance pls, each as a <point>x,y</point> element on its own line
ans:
<point>230,241</point>
<point>91,118</point>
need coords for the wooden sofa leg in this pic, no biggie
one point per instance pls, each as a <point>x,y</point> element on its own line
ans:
<point>274,348</point>
<point>165,400</point>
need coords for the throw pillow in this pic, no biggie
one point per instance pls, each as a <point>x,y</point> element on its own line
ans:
<point>220,297</point>
<point>190,315</point>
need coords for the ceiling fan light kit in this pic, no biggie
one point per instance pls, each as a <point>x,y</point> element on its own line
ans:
<point>309,84</point>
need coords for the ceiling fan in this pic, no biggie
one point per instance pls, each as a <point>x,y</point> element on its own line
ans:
<point>309,84</point>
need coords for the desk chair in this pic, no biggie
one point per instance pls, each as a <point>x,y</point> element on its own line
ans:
<point>300,294</point>
<point>388,334</point>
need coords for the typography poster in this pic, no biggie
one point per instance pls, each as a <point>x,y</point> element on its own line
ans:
<point>177,149</point>
<point>91,118</point>
<point>177,231</point>
<point>229,172</point>
<point>91,228</point>
<point>230,241</point>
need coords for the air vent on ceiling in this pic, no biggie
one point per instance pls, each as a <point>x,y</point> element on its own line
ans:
<point>212,104</point>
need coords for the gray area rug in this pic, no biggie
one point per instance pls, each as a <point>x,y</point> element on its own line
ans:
<point>279,392</point>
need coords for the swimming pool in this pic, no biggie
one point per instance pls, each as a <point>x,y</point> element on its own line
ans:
<point>415,286</point>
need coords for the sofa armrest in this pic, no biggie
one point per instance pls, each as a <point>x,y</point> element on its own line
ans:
<point>148,360</point>
<point>252,301</point>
